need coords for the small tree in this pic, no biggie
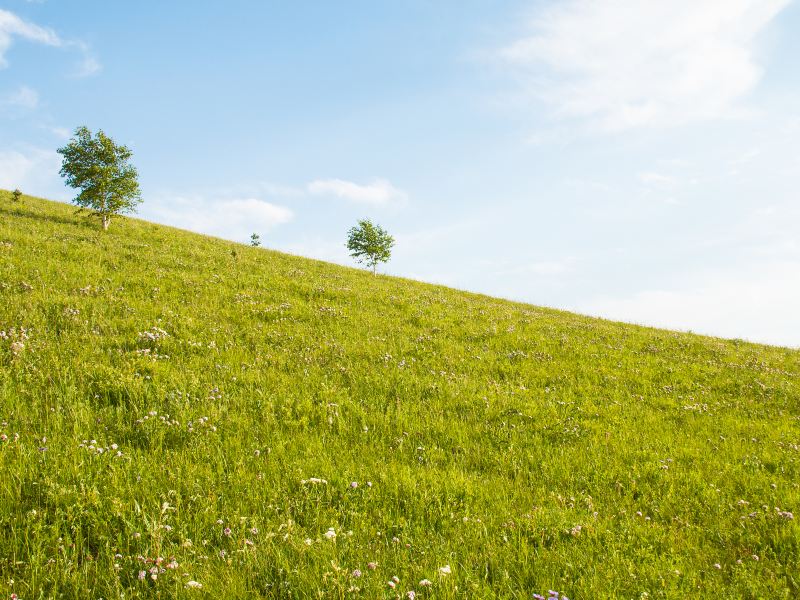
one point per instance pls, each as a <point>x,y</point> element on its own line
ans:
<point>100,169</point>
<point>16,195</point>
<point>369,243</point>
<point>255,240</point>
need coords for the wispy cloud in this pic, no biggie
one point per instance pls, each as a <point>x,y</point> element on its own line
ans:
<point>33,170</point>
<point>377,192</point>
<point>23,98</point>
<point>757,302</point>
<point>632,63</point>
<point>13,26</point>
<point>230,218</point>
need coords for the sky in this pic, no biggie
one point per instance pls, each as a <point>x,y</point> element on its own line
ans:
<point>632,159</point>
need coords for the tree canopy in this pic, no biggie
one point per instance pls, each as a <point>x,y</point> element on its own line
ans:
<point>370,244</point>
<point>101,170</point>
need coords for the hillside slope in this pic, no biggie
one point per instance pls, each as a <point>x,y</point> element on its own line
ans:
<point>273,426</point>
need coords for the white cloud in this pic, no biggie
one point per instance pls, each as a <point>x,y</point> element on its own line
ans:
<point>631,63</point>
<point>22,98</point>
<point>34,171</point>
<point>233,218</point>
<point>12,26</point>
<point>656,179</point>
<point>377,192</point>
<point>758,303</point>
<point>88,65</point>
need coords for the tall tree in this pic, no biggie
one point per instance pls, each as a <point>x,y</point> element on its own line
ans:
<point>101,170</point>
<point>369,243</point>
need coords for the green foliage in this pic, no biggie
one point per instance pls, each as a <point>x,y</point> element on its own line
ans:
<point>370,244</point>
<point>528,449</point>
<point>255,240</point>
<point>16,195</point>
<point>100,169</point>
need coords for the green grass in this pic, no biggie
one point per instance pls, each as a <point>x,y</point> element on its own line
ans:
<point>528,449</point>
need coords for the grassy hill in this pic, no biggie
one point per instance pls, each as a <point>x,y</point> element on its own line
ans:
<point>264,425</point>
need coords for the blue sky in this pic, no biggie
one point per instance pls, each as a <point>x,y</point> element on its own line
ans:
<point>638,160</point>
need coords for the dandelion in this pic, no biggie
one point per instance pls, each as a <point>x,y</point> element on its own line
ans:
<point>445,570</point>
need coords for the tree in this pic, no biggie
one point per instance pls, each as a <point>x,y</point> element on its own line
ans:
<point>16,195</point>
<point>255,240</point>
<point>99,168</point>
<point>369,243</point>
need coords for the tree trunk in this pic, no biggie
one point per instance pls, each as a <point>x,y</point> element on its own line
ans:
<point>106,222</point>
<point>374,270</point>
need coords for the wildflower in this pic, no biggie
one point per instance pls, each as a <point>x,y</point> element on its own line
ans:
<point>220,521</point>
<point>354,485</point>
<point>356,573</point>
<point>717,566</point>
<point>391,584</point>
<point>248,543</point>
<point>142,575</point>
<point>755,557</point>
<point>173,564</point>
<point>227,532</point>
<point>425,583</point>
<point>254,531</point>
<point>330,534</point>
<point>314,481</point>
<point>445,570</point>
<point>396,579</point>
<point>257,453</point>
<point>372,566</point>
<point>411,595</point>
<point>308,541</point>
<point>193,585</point>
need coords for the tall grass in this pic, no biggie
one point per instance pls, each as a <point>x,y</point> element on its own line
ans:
<point>184,417</point>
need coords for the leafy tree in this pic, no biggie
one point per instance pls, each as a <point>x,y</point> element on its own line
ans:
<point>16,195</point>
<point>255,240</point>
<point>369,243</point>
<point>99,168</point>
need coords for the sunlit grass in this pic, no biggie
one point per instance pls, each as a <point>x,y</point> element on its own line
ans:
<point>265,425</point>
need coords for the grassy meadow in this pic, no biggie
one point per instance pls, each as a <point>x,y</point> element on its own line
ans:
<point>185,417</point>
